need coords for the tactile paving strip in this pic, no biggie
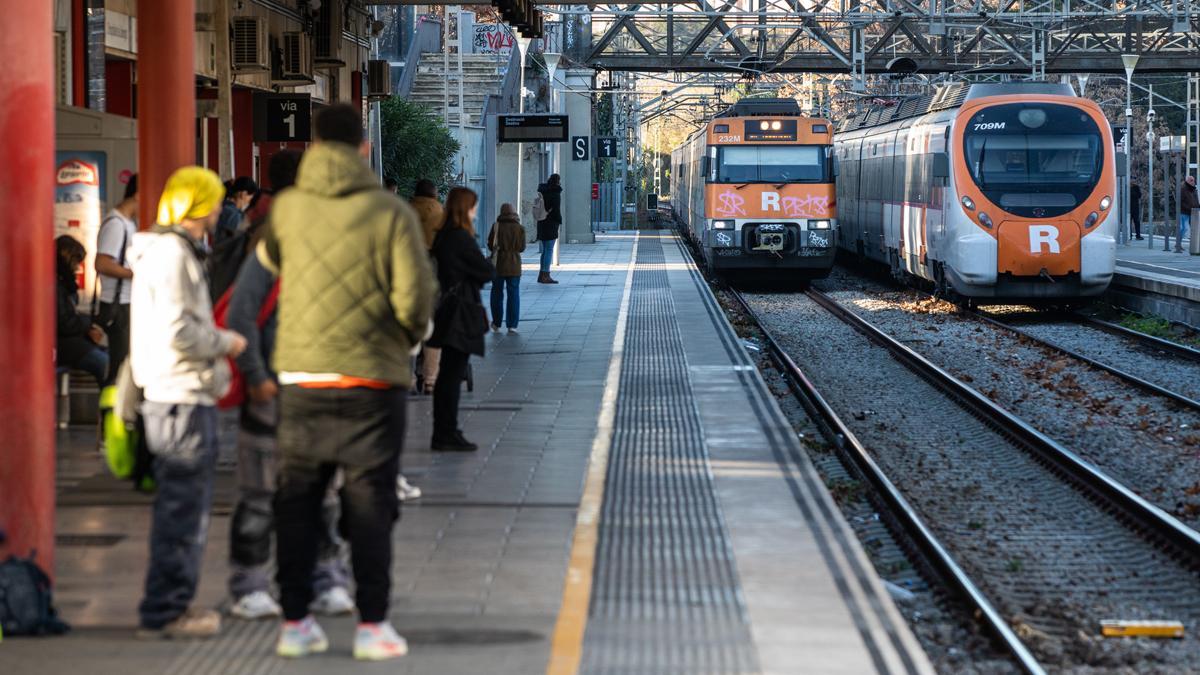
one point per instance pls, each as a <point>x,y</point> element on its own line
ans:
<point>665,596</point>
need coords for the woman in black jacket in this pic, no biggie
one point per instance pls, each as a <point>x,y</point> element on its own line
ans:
<point>460,322</point>
<point>77,343</point>
<point>547,228</point>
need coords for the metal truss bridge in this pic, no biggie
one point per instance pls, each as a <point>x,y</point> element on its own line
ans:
<point>861,37</point>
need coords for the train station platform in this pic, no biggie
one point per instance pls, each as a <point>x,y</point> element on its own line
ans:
<point>1153,281</point>
<point>639,504</point>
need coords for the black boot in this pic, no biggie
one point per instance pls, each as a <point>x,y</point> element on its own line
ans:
<point>454,443</point>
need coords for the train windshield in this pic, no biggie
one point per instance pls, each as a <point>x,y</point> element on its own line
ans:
<point>772,164</point>
<point>1034,160</point>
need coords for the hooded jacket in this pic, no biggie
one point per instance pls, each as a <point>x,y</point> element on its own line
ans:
<point>175,348</point>
<point>73,342</point>
<point>431,213</point>
<point>507,241</point>
<point>356,289</point>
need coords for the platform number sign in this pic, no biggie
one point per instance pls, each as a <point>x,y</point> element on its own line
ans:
<point>606,146</point>
<point>579,148</point>
<point>282,117</point>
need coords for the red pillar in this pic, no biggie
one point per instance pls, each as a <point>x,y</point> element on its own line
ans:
<point>27,278</point>
<point>166,97</point>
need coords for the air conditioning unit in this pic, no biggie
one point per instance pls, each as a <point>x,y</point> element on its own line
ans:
<point>296,63</point>
<point>327,34</point>
<point>379,79</point>
<point>250,44</point>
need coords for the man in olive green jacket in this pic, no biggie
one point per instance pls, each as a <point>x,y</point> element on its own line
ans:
<point>356,295</point>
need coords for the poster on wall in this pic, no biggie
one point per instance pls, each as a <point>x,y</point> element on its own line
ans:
<point>78,200</point>
<point>492,38</point>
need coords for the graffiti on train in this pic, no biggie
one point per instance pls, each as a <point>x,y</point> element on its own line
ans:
<point>754,201</point>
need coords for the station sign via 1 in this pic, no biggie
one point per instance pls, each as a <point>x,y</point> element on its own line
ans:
<point>282,117</point>
<point>606,146</point>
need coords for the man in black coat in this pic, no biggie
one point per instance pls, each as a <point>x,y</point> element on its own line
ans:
<point>1135,209</point>
<point>78,340</point>
<point>547,228</point>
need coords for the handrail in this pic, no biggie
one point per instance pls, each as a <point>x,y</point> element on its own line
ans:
<point>426,38</point>
<point>506,101</point>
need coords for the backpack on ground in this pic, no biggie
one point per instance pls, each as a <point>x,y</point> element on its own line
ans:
<point>237,383</point>
<point>26,604</point>
<point>539,207</point>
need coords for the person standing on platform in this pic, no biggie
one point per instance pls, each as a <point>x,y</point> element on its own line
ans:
<point>506,240</point>
<point>548,226</point>
<point>116,279</point>
<point>178,359</point>
<point>1135,209</point>
<point>429,209</point>
<point>460,322</point>
<point>1187,202</point>
<point>241,192</point>
<point>355,298</point>
<point>78,343</point>
<point>252,313</point>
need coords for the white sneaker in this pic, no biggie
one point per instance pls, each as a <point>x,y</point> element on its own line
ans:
<point>301,638</point>
<point>333,602</point>
<point>405,490</point>
<point>378,642</point>
<point>495,328</point>
<point>255,606</point>
<point>512,331</point>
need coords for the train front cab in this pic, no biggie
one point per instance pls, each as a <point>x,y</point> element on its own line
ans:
<point>1033,184</point>
<point>769,199</point>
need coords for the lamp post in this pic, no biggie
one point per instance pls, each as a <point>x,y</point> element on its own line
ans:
<point>1130,62</point>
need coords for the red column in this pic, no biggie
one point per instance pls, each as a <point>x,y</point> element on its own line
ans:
<point>166,97</point>
<point>27,278</point>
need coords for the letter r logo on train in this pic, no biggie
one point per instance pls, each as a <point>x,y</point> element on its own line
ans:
<point>770,201</point>
<point>1043,234</point>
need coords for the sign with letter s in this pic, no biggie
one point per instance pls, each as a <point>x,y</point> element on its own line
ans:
<point>580,148</point>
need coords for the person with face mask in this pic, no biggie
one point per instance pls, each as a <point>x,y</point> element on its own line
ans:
<point>178,360</point>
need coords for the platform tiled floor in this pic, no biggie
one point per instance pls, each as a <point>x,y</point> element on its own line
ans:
<point>479,560</point>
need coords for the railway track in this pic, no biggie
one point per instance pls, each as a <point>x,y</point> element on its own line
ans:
<point>1107,499</point>
<point>1159,356</point>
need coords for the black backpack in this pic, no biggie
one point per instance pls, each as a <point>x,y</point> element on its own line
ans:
<point>25,600</point>
<point>225,261</point>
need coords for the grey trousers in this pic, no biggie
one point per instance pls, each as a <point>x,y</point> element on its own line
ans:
<point>183,439</point>
<point>252,526</point>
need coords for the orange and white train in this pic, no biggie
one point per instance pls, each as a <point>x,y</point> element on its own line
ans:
<point>987,191</point>
<point>753,188</point>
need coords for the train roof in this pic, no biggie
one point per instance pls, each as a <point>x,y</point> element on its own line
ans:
<point>758,107</point>
<point>944,97</point>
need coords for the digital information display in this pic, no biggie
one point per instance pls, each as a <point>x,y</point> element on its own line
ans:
<point>533,128</point>
<point>770,130</point>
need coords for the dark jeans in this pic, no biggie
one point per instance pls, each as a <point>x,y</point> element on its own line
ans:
<point>183,439</point>
<point>513,286</point>
<point>114,318</point>
<point>361,431</point>
<point>547,254</point>
<point>1136,212</point>
<point>447,390</point>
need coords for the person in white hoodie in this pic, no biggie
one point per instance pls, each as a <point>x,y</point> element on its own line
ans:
<point>177,356</point>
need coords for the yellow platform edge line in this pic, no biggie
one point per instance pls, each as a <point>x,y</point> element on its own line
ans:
<point>566,646</point>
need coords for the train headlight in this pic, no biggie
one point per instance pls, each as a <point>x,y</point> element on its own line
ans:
<point>985,220</point>
<point>776,126</point>
<point>1090,220</point>
<point>818,224</point>
<point>764,125</point>
<point>968,203</point>
<point>722,224</point>
<point>1105,203</point>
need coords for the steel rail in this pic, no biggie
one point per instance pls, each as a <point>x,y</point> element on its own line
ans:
<point>1147,340</point>
<point>1082,473</point>
<point>838,434</point>
<point>1112,370</point>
